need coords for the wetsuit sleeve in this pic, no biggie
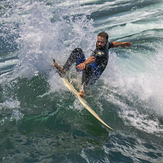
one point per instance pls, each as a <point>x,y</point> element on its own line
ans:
<point>111,45</point>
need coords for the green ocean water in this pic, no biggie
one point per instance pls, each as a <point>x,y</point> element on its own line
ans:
<point>42,121</point>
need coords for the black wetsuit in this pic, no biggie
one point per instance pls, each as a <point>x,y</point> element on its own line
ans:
<point>92,72</point>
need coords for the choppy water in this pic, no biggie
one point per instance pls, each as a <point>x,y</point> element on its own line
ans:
<point>41,121</point>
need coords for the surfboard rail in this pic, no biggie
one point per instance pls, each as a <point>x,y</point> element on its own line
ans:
<point>83,102</point>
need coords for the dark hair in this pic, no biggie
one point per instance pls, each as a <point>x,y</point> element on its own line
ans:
<point>104,34</point>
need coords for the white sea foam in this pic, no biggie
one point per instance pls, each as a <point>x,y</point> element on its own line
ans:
<point>48,32</point>
<point>141,88</point>
<point>41,40</point>
<point>10,104</point>
<point>16,115</point>
<point>8,63</point>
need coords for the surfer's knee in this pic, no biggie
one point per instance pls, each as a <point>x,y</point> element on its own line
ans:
<point>77,50</point>
<point>75,53</point>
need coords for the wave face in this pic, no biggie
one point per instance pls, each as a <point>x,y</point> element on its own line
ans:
<point>41,121</point>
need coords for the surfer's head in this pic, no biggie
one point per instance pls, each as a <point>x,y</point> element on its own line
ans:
<point>102,40</point>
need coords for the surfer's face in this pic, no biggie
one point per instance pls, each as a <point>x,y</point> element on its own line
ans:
<point>101,43</point>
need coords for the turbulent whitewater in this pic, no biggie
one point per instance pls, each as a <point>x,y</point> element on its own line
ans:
<point>41,121</point>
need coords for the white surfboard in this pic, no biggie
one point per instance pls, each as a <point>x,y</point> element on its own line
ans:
<point>83,102</point>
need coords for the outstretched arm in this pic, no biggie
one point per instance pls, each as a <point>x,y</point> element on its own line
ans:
<point>90,60</point>
<point>122,44</point>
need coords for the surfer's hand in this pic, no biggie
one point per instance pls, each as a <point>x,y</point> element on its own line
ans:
<point>81,66</point>
<point>124,44</point>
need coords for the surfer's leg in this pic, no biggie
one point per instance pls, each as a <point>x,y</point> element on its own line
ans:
<point>86,77</point>
<point>89,77</point>
<point>76,55</point>
<point>80,59</point>
<point>60,69</point>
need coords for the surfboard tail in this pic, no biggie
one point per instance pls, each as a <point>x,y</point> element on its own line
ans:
<point>83,102</point>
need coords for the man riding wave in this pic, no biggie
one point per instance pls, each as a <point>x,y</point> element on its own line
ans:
<point>94,66</point>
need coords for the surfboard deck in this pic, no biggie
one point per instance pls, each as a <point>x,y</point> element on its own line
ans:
<point>83,102</point>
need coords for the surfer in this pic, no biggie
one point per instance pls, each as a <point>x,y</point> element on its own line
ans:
<point>94,66</point>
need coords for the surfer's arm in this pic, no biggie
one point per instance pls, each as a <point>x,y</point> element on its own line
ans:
<point>122,44</point>
<point>89,61</point>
